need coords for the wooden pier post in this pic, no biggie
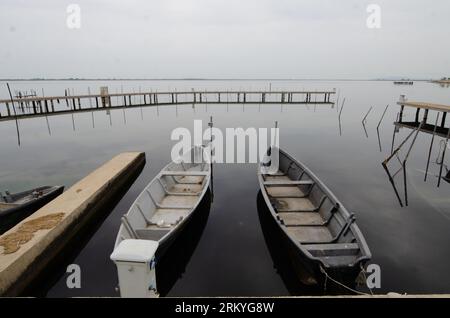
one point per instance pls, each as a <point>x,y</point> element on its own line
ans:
<point>425,116</point>
<point>7,108</point>
<point>444,116</point>
<point>400,117</point>
<point>417,115</point>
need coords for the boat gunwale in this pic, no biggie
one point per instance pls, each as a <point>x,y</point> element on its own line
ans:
<point>365,251</point>
<point>21,195</point>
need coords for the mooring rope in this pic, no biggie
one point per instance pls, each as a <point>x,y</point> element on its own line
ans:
<point>341,284</point>
<point>365,278</point>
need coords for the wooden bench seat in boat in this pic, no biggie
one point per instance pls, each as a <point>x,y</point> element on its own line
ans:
<point>337,249</point>
<point>183,173</point>
<point>151,234</point>
<point>287,183</point>
<point>280,192</point>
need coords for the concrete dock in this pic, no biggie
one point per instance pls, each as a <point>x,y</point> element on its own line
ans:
<point>27,248</point>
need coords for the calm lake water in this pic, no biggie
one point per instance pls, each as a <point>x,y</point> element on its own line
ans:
<point>228,251</point>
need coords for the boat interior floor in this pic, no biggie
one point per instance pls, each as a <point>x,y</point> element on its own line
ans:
<point>176,204</point>
<point>297,212</point>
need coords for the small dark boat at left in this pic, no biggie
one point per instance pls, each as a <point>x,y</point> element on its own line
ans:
<point>17,206</point>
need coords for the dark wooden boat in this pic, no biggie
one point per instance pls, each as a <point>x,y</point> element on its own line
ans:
<point>16,207</point>
<point>321,235</point>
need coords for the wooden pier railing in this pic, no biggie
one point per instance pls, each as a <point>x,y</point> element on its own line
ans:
<point>52,105</point>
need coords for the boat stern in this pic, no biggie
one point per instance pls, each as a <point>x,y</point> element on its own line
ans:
<point>135,261</point>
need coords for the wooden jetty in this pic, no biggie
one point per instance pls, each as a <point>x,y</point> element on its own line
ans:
<point>442,81</point>
<point>420,124</point>
<point>53,105</point>
<point>403,82</point>
<point>28,248</point>
<point>430,128</point>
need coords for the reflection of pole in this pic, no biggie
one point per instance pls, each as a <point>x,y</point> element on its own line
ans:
<point>393,183</point>
<point>431,146</point>
<point>15,115</point>
<point>48,126</point>
<point>339,116</point>
<point>443,156</point>
<point>342,107</point>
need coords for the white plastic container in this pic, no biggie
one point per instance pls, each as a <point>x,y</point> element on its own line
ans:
<point>135,261</point>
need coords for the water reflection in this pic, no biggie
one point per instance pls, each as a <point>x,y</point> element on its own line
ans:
<point>416,128</point>
<point>365,120</point>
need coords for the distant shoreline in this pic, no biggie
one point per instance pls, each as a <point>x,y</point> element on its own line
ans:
<point>206,79</point>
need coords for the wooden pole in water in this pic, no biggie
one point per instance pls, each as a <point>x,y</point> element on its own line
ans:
<point>431,147</point>
<point>15,115</point>
<point>90,100</point>
<point>7,108</point>
<point>382,116</point>
<point>365,117</point>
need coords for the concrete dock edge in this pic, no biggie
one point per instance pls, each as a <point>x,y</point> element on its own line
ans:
<point>76,207</point>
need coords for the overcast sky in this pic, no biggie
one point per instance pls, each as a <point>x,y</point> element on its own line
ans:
<point>224,39</point>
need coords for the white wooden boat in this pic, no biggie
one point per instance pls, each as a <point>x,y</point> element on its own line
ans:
<point>156,217</point>
<point>322,235</point>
